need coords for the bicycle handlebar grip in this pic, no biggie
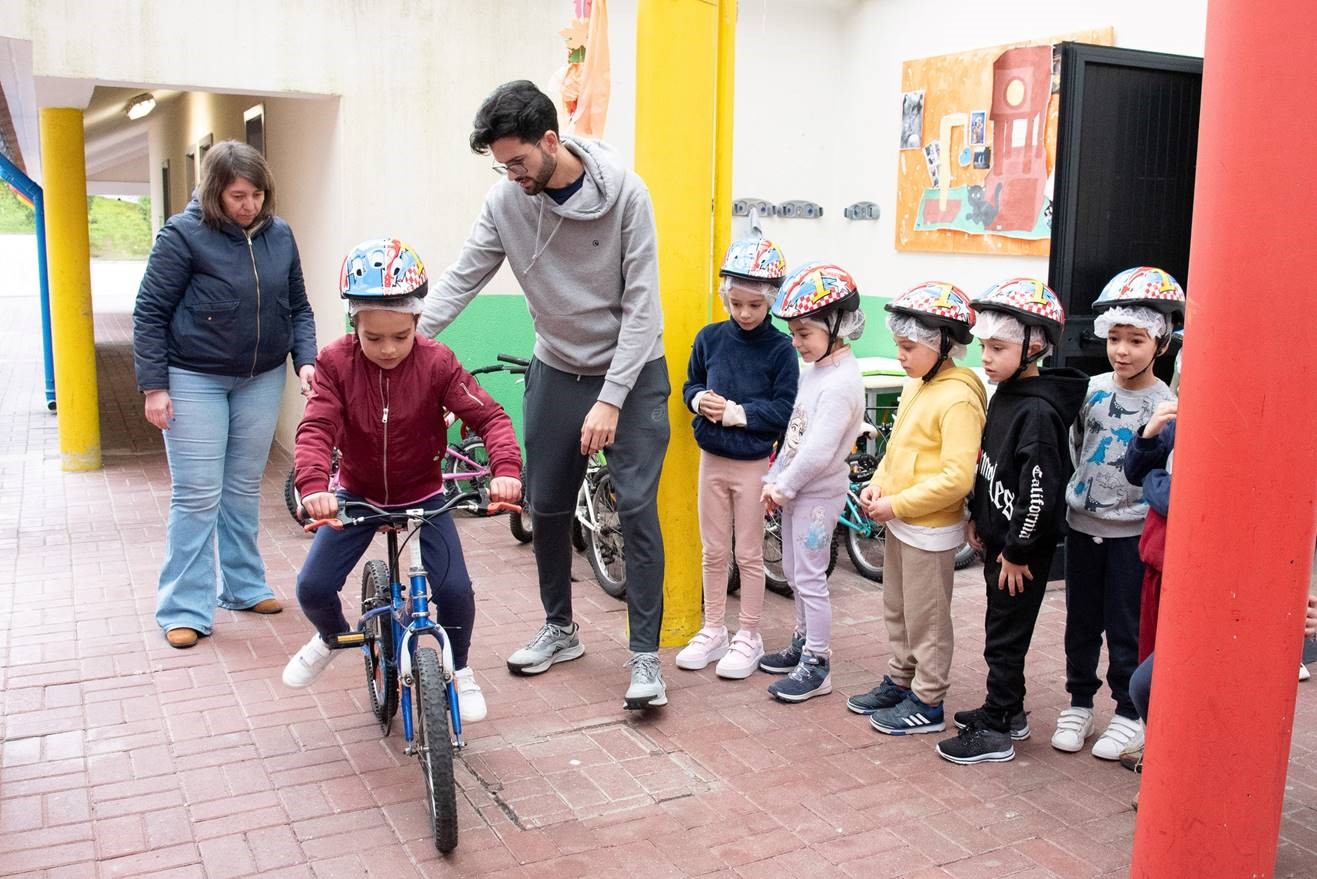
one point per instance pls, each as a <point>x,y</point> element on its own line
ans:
<point>515,361</point>
<point>311,526</point>
<point>499,506</point>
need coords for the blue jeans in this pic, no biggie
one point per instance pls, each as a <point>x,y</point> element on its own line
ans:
<point>218,445</point>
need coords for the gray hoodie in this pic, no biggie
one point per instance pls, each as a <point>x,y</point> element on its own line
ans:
<point>589,269</point>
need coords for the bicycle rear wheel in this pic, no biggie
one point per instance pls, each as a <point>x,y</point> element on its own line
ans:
<point>604,547</point>
<point>775,576</point>
<point>868,551</point>
<point>966,556</point>
<point>381,669</point>
<point>293,500</point>
<point>435,748</point>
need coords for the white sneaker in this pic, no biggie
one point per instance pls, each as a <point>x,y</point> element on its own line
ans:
<point>742,658</point>
<point>1120,734</point>
<point>307,664</point>
<point>470,700</point>
<point>707,646</point>
<point>1073,727</point>
<point>1304,674</point>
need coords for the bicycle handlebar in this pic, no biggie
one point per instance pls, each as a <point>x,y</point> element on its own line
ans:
<point>515,361</point>
<point>469,500</point>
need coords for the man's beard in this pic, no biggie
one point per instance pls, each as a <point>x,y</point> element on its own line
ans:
<point>541,179</point>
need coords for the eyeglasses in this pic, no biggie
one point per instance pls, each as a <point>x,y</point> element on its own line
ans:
<point>517,165</point>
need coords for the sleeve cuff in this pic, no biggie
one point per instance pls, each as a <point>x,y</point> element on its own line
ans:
<point>733,415</point>
<point>614,394</point>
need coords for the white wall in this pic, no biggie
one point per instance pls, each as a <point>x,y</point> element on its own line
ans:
<point>817,111</point>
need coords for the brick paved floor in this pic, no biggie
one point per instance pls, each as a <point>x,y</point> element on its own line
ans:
<point>123,757</point>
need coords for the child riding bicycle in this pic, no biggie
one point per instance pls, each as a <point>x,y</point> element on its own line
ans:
<point>380,398</point>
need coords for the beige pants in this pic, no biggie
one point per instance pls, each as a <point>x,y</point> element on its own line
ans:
<point>917,608</point>
<point>728,497</point>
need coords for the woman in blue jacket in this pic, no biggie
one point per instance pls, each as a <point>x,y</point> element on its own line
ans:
<point>222,305</point>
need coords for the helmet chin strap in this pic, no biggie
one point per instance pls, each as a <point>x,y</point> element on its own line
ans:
<point>1163,345</point>
<point>1026,359</point>
<point>944,351</point>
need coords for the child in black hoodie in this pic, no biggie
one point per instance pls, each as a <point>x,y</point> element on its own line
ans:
<point>1017,509</point>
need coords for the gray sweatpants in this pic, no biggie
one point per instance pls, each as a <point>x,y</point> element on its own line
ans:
<point>554,408</point>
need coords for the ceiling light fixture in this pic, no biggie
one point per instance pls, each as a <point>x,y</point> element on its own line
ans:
<point>140,106</point>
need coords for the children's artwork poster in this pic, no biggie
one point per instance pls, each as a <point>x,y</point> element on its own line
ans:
<point>985,123</point>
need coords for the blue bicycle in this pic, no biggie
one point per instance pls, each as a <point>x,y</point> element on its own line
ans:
<point>394,621</point>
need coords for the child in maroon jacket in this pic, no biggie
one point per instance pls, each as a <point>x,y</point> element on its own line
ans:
<point>380,398</point>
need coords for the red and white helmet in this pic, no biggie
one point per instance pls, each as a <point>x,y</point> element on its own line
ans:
<point>823,292</point>
<point>1029,301</point>
<point>1146,287</point>
<point>940,305</point>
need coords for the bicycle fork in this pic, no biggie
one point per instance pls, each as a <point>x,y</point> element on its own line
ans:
<point>420,623</point>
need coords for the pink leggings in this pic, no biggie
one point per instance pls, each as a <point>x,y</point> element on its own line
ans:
<point>729,503</point>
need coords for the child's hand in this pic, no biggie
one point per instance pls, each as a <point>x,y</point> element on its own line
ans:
<point>505,489</point>
<point>770,497</point>
<point>1310,622</point>
<point>321,505</point>
<point>1012,576</point>
<point>868,495</point>
<point>881,510</point>
<point>712,405</point>
<point>1163,415</point>
<point>972,536</point>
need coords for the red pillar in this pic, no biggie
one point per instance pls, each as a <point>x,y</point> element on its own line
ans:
<point>1242,524</point>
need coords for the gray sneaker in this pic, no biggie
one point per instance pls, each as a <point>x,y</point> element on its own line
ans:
<point>646,690</point>
<point>552,644</point>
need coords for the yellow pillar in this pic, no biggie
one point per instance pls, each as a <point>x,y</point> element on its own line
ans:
<point>676,76</point>
<point>64,179</point>
<point>722,171</point>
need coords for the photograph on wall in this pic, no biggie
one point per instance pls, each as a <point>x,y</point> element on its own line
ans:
<point>912,120</point>
<point>978,127</point>
<point>987,187</point>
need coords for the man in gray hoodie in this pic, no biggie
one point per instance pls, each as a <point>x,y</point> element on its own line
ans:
<point>578,231</point>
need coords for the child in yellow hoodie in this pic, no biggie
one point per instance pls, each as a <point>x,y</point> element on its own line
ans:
<point>919,493</point>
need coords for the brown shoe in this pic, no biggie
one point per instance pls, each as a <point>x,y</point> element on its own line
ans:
<point>269,605</point>
<point>182,638</point>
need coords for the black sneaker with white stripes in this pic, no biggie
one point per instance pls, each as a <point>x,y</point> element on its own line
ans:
<point>908,717</point>
<point>977,744</point>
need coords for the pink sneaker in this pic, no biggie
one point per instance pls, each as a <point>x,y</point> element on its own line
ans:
<point>704,648</point>
<point>742,657</point>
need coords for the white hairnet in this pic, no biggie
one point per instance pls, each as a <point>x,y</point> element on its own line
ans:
<point>1153,322</point>
<point>400,304</point>
<point>904,326</point>
<point>998,325</point>
<point>852,324</point>
<point>749,288</point>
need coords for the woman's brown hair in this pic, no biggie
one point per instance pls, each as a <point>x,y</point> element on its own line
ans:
<point>225,162</point>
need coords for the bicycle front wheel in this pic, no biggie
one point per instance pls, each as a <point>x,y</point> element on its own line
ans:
<point>292,499</point>
<point>604,546</point>
<point>867,551</point>
<point>519,523</point>
<point>435,748</point>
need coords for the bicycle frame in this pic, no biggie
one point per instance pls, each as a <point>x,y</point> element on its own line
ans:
<point>584,509</point>
<point>409,615</point>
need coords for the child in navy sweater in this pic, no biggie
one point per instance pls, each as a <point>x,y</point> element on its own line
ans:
<point>740,383</point>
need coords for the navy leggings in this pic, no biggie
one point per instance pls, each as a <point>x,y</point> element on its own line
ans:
<point>334,554</point>
<point>1141,687</point>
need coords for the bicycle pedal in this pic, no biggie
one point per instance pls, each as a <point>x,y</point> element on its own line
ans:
<point>348,639</point>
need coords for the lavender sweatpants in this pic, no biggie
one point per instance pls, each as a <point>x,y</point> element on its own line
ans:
<point>807,526</point>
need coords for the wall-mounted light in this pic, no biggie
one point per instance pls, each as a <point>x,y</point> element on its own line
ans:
<point>140,106</point>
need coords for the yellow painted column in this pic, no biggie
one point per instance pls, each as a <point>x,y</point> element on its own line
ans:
<point>676,76</point>
<point>722,169</point>
<point>64,181</point>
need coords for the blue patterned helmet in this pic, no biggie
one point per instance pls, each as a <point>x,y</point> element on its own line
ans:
<point>755,259</point>
<point>382,268</point>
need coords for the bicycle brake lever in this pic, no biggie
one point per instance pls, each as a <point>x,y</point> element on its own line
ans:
<point>311,526</point>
